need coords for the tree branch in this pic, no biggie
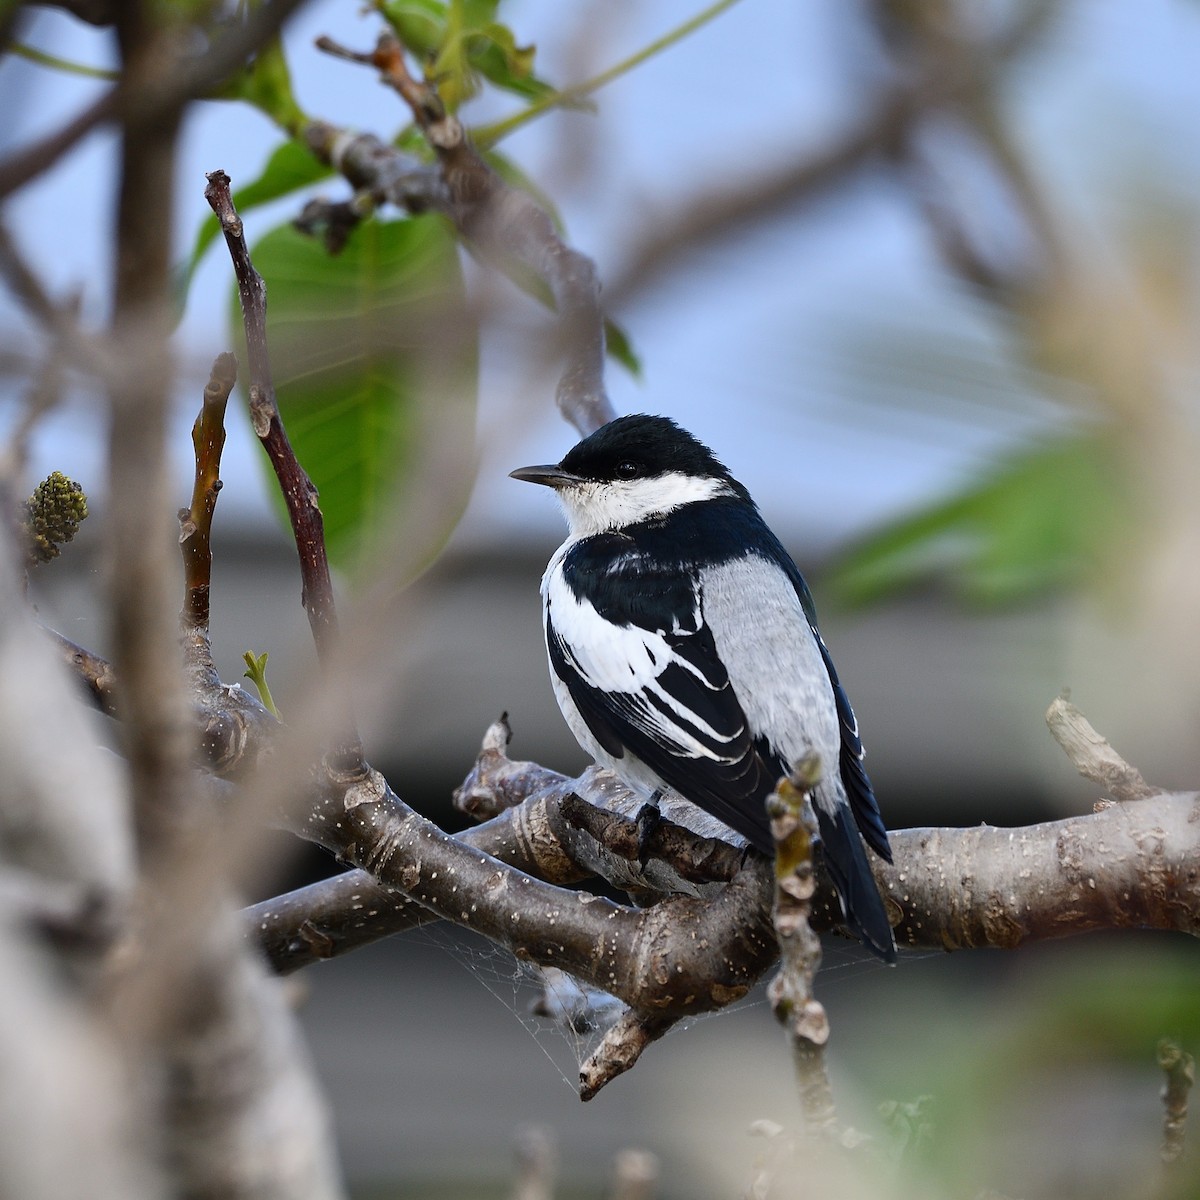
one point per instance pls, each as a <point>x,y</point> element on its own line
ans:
<point>949,889</point>
<point>504,224</point>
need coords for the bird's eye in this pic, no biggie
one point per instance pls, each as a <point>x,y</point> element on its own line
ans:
<point>626,470</point>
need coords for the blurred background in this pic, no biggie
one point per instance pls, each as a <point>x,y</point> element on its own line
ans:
<point>952,355</point>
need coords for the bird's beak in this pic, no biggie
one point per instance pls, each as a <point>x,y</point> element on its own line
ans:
<point>549,475</point>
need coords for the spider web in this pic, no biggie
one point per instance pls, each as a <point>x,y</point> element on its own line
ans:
<point>566,1018</point>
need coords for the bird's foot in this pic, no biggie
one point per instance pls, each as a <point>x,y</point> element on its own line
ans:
<point>648,820</point>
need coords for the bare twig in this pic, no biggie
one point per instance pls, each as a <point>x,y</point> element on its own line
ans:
<point>1092,755</point>
<point>496,782</point>
<point>299,493</point>
<point>195,523</point>
<point>791,990</point>
<point>620,1048</point>
<point>59,318</point>
<point>1179,1067</point>
<point>29,163</point>
<point>727,210</point>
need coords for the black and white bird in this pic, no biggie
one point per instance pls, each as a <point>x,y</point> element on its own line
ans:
<point>684,649</point>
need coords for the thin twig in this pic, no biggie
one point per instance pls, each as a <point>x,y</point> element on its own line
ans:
<point>1179,1067</point>
<point>620,1048</point>
<point>575,94</point>
<point>299,493</point>
<point>1092,755</point>
<point>59,318</point>
<point>791,990</point>
<point>195,523</point>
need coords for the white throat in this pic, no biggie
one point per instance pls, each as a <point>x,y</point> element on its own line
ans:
<point>602,507</point>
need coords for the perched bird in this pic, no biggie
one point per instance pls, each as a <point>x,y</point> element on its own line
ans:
<point>684,649</point>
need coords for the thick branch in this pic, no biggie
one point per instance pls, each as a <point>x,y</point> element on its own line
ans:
<point>157,739</point>
<point>1125,867</point>
<point>333,917</point>
<point>1128,866</point>
<point>639,955</point>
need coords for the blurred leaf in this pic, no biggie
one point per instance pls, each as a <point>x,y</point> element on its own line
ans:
<point>620,348</point>
<point>355,340</point>
<point>1041,519</point>
<point>266,83</point>
<point>290,168</point>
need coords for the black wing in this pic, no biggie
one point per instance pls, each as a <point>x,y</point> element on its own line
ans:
<point>630,644</point>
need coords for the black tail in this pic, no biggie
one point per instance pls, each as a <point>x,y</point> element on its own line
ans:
<point>846,861</point>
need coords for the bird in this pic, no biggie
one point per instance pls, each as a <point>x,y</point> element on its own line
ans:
<point>684,651</point>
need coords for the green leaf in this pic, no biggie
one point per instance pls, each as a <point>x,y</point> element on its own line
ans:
<point>1045,518</point>
<point>419,24</point>
<point>462,43</point>
<point>290,168</point>
<point>494,53</point>
<point>256,672</point>
<point>360,344</point>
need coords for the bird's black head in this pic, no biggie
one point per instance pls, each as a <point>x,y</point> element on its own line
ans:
<point>631,470</point>
<point>641,446</point>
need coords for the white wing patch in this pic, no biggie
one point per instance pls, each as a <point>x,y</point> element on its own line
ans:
<point>627,662</point>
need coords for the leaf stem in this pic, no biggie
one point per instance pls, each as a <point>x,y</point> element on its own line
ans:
<point>61,64</point>
<point>488,135</point>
